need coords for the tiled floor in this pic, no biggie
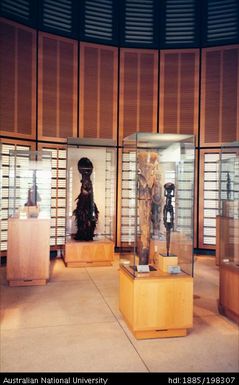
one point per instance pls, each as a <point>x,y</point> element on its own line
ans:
<point>73,324</point>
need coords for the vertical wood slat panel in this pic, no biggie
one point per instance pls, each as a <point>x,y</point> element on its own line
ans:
<point>57,90</point>
<point>229,95</point>
<point>210,99</point>
<point>17,80</point>
<point>138,91</point>
<point>49,88</point>
<point>98,91</point>
<point>179,91</point>
<point>89,95</point>
<point>130,94</point>
<point>220,94</point>
<point>106,91</point>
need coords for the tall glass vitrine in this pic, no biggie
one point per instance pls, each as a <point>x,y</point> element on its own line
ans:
<point>159,207</point>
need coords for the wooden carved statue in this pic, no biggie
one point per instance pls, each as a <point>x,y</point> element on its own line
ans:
<point>229,187</point>
<point>33,196</point>
<point>156,207</point>
<point>148,200</point>
<point>86,211</point>
<point>168,213</point>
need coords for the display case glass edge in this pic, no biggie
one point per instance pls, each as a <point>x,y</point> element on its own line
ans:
<point>228,231</point>
<point>229,204</point>
<point>164,164</point>
<point>29,184</point>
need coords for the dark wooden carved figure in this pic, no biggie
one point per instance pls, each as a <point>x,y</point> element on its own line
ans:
<point>229,187</point>
<point>156,209</point>
<point>168,213</point>
<point>86,211</point>
<point>33,196</point>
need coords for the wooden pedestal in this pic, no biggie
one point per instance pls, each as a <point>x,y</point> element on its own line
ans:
<point>28,254</point>
<point>93,253</point>
<point>229,290</point>
<point>164,262</point>
<point>156,304</point>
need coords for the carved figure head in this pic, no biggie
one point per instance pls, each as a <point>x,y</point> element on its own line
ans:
<point>85,167</point>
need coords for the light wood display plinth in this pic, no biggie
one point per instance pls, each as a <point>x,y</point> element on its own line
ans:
<point>28,254</point>
<point>156,304</point>
<point>92,253</point>
<point>228,291</point>
<point>164,262</point>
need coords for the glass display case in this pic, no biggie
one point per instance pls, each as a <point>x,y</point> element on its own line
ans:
<point>229,204</point>
<point>228,230</point>
<point>101,154</point>
<point>160,203</point>
<point>29,184</point>
<point>90,212</point>
<point>156,284</point>
<point>28,243</point>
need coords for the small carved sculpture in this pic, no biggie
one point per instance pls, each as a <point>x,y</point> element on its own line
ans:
<point>86,211</point>
<point>168,213</point>
<point>229,189</point>
<point>156,208</point>
<point>33,196</point>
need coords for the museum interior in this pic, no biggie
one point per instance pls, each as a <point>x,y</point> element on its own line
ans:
<point>119,215</point>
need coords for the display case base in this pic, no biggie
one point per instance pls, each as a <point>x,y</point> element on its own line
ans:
<point>28,282</point>
<point>228,303</point>
<point>92,253</point>
<point>28,252</point>
<point>150,334</point>
<point>228,313</point>
<point>157,305</point>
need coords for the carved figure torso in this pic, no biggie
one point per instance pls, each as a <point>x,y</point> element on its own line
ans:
<point>149,200</point>
<point>86,211</point>
<point>168,213</point>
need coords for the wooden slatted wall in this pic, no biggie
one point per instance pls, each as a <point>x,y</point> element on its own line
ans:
<point>98,91</point>
<point>17,80</point>
<point>138,91</point>
<point>57,87</point>
<point>179,91</point>
<point>220,95</point>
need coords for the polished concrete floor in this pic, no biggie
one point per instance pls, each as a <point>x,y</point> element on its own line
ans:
<point>73,324</point>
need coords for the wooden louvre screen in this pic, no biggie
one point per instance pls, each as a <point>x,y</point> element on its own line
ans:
<point>17,80</point>
<point>57,15</point>
<point>57,91</point>
<point>179,85</point>
<point>139,22</point>
<point>22,10</point>
<point>98,21</point>
<point>221,21</point>
<point>98,91</point>
<point>180,25</point>
<point>220,93</point>
<point>138,91</point>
